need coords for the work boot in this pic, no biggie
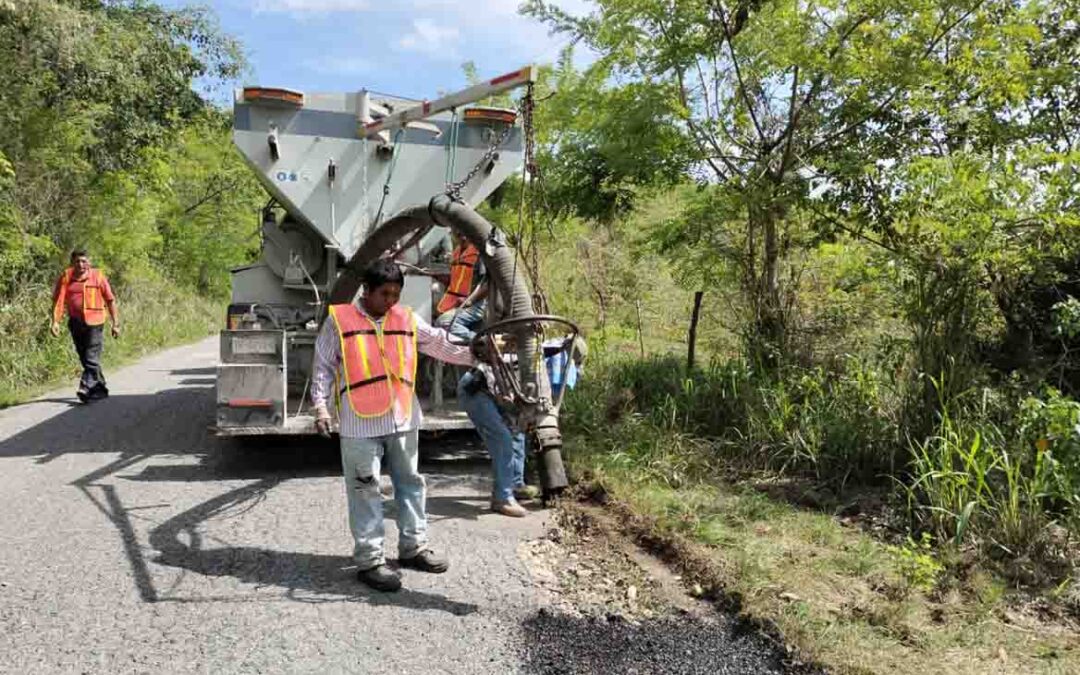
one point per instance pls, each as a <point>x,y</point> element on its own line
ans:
<point>426,561</point>
<point>509,507</point>
<point>526,493</point>
<point>380,578</point>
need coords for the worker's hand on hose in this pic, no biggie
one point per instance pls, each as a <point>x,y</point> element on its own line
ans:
<point>115,330</point>
<point>55,329</point>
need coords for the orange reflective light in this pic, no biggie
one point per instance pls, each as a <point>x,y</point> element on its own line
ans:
<point>490,115</point>
<point>272,95</point>
<point>250,403</point>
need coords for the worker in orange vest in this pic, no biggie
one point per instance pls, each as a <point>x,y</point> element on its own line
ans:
<point>365,359</point>
<point>84,293</point>
<point>461,309</point>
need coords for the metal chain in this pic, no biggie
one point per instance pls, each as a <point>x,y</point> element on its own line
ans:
<point>532,187</point>
<point>453,190</point>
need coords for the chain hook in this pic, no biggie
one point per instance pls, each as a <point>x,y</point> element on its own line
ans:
<point>453,189</point>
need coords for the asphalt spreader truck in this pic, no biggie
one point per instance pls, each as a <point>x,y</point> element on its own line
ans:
<point>356,176</point>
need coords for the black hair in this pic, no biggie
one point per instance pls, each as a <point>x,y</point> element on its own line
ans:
<point>79,252</point>
<point>381,272</point>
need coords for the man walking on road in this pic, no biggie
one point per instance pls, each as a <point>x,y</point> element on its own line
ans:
<point>369,353</point>
<point>85,294</point>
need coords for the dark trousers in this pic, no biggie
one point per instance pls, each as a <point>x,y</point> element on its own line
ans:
<point>89,341</point>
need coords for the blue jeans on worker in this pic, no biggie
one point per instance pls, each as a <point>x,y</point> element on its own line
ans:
<point>507,448</point>
<point>361,461</point>
<point>462,324</point>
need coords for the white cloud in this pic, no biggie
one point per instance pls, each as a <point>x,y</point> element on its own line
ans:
<point>429,37</point>
<point>489,8</point>
<point>489,32</point>
<point>339,64</point>
<point>310,6</point>
<point>481,9</point>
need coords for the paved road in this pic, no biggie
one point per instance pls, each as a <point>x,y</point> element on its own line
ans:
<point>135,542</point>
<point>132,541</point>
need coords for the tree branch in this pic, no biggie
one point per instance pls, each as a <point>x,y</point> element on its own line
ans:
<point>208,197</point>
<point>815,86</point>
<point>699,134</point>
<point>896,90</point>
<point>856,233</point>
<point>789,133</point>
<point>738,72</point>
<point>1061,123</point>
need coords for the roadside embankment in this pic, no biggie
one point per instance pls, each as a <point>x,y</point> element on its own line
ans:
<point>836,572</point>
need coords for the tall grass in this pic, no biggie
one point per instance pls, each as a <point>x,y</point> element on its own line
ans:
<point>970,486</point>
<point>994,477</point>
<point>833,426</point>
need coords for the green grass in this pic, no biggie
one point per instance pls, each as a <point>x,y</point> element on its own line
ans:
<point>153,315</point>
<point>974,485</point>
<point>681,459</point>
<point>842,598</point>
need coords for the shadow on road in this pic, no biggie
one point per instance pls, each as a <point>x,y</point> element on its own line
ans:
<point>169,421</point>
<point>329,577</point>
<point>142,432</point>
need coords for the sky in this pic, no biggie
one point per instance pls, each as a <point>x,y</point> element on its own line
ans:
<point>411,48</point>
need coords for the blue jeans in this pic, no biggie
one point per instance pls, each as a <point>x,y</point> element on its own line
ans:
<point>361,459</point>
<point>507,449</point>
<point>462,323</point>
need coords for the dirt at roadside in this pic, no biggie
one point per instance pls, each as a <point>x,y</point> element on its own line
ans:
<point>609,606</point>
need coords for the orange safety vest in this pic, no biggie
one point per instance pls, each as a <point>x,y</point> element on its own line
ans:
<point>462,263</point>
<point>93,300</point>
<point>378,363</point>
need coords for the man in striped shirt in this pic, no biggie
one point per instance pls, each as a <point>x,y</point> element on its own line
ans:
<point>366,440</point>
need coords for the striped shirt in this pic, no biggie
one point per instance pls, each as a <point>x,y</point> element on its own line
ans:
<point>431,341</point>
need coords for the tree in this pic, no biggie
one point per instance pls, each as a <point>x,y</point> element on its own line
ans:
<point>599,145</point>
<point>774,95</point>
<point>92,89</point>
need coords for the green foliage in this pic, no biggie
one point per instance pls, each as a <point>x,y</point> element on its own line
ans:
<point>951,483</point>
<point>835,427</point>
<point>211,220</point>
<point>974,483</point>
<point>917,563</point>
<point>1067,318</point>
<point>885,209</point>
<point>121,70</point>
<point>1051,425</point>
<point>796,113</point>
<point>97,99</point>
<point>600,143</point>
<point>106,145</point>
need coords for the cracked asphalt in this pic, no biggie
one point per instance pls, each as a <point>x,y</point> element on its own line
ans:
<point>133,541</point>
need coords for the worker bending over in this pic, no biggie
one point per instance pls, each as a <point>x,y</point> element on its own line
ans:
<point>506,446</point>
<point>461,309</point>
